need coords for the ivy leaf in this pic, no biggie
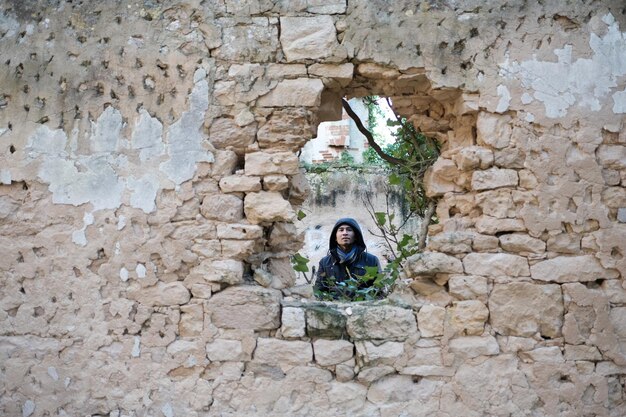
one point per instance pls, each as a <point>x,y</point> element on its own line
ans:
<point>394,179</point>
<point>380,218</point>
<point>301,215</point>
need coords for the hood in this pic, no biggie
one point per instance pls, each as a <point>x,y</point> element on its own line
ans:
<point>358,235</point>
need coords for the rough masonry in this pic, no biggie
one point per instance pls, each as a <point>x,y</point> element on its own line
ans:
<point>149,184</point>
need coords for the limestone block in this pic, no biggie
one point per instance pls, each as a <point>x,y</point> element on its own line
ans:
<point>473,346</point>
<point>451,242</point>
<point>268,206</point>
<point>496,264</point>
<point>162,294</point>
<point>612,156</point>
<point>342,73</point>
<point>381,322</point>
<point>237,249</point>
<point>571,269</point>
<point>240,183</point>
<point>497,203</point>
<point>300,188</point>
<point>399,388</point>
<point>468,317</point>
<point>280,71</point>
<point>286,129</point>
<point>262,277</point>
<point>285,236</point>
<point>227,271</point>
<point>494,178</point>
<point>345,373</point>
<point>522,243</point>
<point>245,307</point>
<point>427,370</point>
<point>349,396</point>
<point>430,320</point>
<point>523,309</point>
<point>275,182</point>
<point>490,225</point>
<point>513,344</point>
<point>485,243</point>
<point>614,290</point>
<point>565,243</point>
<point>262,163</point>
<point>222,207</point>
<point>473,157</point>
<point>369,374</point>
<point>191,320</point>
<point>527,179</point>
<point>431,263</point>
<point>301,92</point>
<point>325,321</point>
<point>224,164</point>
<point>493,130</point>
<point>332,352</point>
<point>276,352</point>
<point>377,71</point>
<point>551,354</point>
<point>226,134</point>
<point>440,178</point>
<point>293,323</point>
<point>614,197</point>
<point>582,353</point>
<point>225,350</point>
<point>383,353</point>
<point>239,231</point>
<point>191,230</point>
<point>468,287</point>
<point>256,40</point>
<point>424,356</point>
<point>307,37</point>
<point>283,275</point>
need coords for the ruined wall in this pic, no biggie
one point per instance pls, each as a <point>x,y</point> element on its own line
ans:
<point>150,182</point>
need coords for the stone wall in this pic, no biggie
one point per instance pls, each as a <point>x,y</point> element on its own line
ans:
<point>149,185</point>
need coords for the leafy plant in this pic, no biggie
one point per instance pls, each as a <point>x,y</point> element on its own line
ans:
<point>373,285</point>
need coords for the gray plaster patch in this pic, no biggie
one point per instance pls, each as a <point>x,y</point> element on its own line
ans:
<point>102,177</point>
<point>562,84</point>
<point>184,138</point>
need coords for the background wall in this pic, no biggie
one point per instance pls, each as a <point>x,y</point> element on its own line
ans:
<point>150,184</point>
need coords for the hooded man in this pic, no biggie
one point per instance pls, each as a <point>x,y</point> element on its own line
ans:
<point>347,258</point>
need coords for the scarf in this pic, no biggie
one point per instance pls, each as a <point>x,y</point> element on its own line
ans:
<point>349,257</point>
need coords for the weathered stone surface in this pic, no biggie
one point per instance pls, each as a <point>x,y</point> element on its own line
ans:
<point>473,346</point>
<point>491,225</point>
<point>172,293</point>
<point>368,374</point>
<point>239,231</point>
<point>523,309</point>
<point>307,37</point>
<point>227,271</point>
<point>431,263</point>
<point>439,178</point>
<point>222,207</point>
<point>292,93</point>
<point>522,243</point>
<point>341,73</point>
<point>398,388</point>
<point>262,308</point>
<point>543,354</point>
<point>226,134</point>
<point>493,130</point>
<point>274,351</point>
<point>612,156</point>
<point>468,317</point>
<point>325,321</point>
<point>262,163</point>
<point>451,242</point>
<point>267,206</point>
<point>582,353</point>
<point>496,264</point>
<point>287,129</point>
<point>473,157</point>
<point>381,322</point>
<point>384,353</point>
<point>225,350</point>
<point>240,183</point>
<point>497,203</point>
<point>571,269</point>
<point>430,320</point>
<point>332,352</point>
<point>494,178</point>
<point>293,323</point>
<point>275,182</point>
<point>468,287</point>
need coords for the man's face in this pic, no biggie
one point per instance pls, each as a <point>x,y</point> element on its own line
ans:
<point>345,236</point>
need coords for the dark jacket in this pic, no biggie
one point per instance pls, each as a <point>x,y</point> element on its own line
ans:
<point>330,266</point>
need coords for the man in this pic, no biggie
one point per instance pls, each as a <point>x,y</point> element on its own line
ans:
<point>345,263</point>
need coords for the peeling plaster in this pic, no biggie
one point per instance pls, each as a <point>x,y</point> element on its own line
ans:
<point>100,178</point>
<point>562,84</point>
<point>619,100</point>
